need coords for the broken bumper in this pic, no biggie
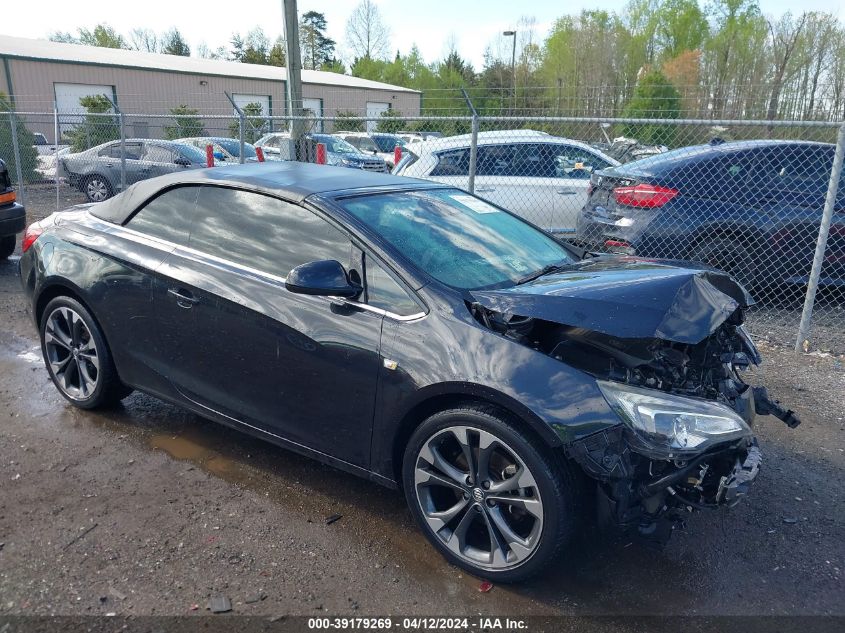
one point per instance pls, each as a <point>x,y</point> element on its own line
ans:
<point>637,495</point>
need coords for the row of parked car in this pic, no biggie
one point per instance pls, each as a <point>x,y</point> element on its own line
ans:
<point>751,208</point>
<point>97,171</point>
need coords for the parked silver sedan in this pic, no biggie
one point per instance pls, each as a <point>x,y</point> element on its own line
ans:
<point>96,171</point>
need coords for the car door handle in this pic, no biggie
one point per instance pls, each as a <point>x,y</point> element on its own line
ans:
<point>566,192</point>
<point>184,299</point>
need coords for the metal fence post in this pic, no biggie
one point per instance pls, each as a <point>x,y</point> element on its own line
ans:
<point>473,154</point>
<point>473,144</point>
<point>17,153</point>
<point>122,151</point>
<point>241,125</point>
<point>56,151</point>
<point>821,244</point>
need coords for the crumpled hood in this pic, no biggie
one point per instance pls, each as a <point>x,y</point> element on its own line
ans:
<point>627,297</point>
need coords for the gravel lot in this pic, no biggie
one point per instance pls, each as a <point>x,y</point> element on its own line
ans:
<point>148,510</point>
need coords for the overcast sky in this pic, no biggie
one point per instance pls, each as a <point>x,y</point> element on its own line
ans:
<point>431,24</point>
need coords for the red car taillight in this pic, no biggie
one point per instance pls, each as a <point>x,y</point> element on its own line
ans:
<point>643,195</point>
<point>33,232</point>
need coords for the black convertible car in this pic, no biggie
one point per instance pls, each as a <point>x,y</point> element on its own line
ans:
<point>416,335</point>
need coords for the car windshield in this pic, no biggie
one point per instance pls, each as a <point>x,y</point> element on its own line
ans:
<point>388,142</point>
<point>192,153</point>
<point>233,146</point>
<point>364,143</point>
<point>336,145</point>
<point>458,239</point>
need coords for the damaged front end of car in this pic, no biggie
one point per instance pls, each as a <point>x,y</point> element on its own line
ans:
<point>667,347</point>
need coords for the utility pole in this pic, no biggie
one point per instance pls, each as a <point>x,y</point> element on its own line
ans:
<point>513,64</point>
<point>293,86</point>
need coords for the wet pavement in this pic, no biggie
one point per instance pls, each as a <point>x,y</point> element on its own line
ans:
<point>147,509</point>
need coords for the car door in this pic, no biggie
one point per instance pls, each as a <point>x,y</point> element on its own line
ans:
<point>139,247</point>
<point>157,160</point>
<point>519,177</point>
<point>573,167</point>
<point>789,184</point>
<point>300,367</point>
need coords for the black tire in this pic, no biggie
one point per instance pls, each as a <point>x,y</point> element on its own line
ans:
<point>97,188</point>
<point>107,390</point>
<point>729,255</point>
<point>7,246</point>
<point>555,490</point>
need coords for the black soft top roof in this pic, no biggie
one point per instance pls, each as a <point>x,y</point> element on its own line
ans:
<point>290,180</point>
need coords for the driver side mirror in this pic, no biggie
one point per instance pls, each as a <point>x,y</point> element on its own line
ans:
<point>324,278</point>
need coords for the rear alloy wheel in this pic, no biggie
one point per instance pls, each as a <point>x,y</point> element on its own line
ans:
<point>485,495</point>
<point>77,356</point>
<point>97,188</point>
<point>729,255</point>
<point>7,246</point>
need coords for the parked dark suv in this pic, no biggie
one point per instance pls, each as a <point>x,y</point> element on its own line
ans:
<point>752,208</point>
<point>12,214</point>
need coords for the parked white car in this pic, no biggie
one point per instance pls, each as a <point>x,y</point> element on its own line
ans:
<point>540,177</point>
<point>47,154</point>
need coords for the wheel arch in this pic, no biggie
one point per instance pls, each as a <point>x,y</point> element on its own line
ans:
<point>59,288</point>
<point>741,234</point>
<point>442,397</point>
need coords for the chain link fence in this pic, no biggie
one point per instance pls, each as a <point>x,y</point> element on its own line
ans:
<point>759,199</point>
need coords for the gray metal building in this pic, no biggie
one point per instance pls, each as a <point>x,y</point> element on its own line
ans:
<point>43,75</point>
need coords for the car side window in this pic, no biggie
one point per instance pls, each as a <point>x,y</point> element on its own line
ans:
<point>532,160</point>
<point>799,169</point>
<point>495,160</point>
<point>574,162</point>
<point>263,232</point>
<point>133,151</point>
<point>452,163</point>
<point>168,216</point>
<point>158,154</point>
<point>382,291</point>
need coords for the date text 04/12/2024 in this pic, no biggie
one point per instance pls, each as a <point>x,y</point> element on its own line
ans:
<point>419,624</point>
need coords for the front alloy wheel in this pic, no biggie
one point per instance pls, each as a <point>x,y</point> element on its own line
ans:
<point>490,496</point>
<point>478,497</point>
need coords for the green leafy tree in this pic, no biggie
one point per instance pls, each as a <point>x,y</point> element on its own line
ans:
<point>317,48</point>
<point>334,66</point>
<point>186,123</point>
<point>172,43</point>
<point>654,98</point>
<point>254,128</point>
<point>390,121</point>
<point>276,57</point>
<point>254,48</point>
<point>26,144</point>
<point>369,68</point>
<point>94,130</point>
<point>348,121</point>
<point>101,35</point>
<point>681,26</point>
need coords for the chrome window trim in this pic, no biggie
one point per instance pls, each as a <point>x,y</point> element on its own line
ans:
<point>138,236</point>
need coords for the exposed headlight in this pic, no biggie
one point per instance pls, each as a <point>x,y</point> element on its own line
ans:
<point>348,163</point>
<point>673,426</point>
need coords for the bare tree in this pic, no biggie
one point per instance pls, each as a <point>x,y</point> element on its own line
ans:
<point>785,36</point>
<point>366,34</point>
<point>144,40</point>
